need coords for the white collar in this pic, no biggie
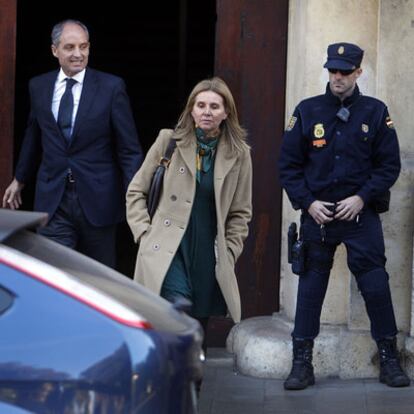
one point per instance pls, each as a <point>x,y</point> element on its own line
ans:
<point>79,77</point>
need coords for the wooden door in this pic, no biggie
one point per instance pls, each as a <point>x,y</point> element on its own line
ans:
<point>250,55</point>
<point>7,71</point>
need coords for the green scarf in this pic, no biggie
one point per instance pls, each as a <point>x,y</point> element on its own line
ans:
<point>206,149</point>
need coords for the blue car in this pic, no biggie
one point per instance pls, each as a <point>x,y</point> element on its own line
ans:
<point>78,337</point>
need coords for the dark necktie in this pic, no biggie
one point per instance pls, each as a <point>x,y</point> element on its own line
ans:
<point>66,108</point>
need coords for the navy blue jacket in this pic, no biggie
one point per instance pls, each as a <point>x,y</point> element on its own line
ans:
<point>104,152</point>
<point>325,158</point>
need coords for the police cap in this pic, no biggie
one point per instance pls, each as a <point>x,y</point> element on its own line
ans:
<point>345,56</point>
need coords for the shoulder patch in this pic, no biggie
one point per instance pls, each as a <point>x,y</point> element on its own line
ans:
<point>389,122</point>
<point>291,123</point>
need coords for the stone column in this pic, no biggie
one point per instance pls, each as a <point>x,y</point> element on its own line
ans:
<point>395,66</point>
<point>409,344</point>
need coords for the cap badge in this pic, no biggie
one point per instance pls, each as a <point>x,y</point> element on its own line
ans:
<point>365,128</point>
<point>318,131</point>
<point>341,50</point>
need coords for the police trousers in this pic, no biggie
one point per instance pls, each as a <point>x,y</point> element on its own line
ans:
<point>364,242</point>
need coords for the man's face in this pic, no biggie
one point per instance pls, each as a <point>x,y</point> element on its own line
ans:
<point>342,84</point>
<point>72,50</point>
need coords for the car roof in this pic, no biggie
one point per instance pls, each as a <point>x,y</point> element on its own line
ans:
<point>157,311</point>
<point>11,222</point>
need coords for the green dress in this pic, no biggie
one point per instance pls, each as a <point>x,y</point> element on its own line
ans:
<point>192,271</point>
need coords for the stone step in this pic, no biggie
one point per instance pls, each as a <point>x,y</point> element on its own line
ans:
<point>262,348</point>
<point>219,357</point>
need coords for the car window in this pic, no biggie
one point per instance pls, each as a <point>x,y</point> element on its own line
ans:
<point>6,299</point>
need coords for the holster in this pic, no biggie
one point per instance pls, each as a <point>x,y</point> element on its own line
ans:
<point>296,249</point>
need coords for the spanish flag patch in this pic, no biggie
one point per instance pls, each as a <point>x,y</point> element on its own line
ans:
<point>389,122</point>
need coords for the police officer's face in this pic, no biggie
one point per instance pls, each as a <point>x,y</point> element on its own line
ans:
<point>208,111</point>
<point>72,50</point>
<point>343,85</point>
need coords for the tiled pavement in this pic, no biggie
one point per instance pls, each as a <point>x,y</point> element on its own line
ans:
<point>226,392</point>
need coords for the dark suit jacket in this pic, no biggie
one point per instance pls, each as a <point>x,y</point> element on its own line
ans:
<point>104,152</point>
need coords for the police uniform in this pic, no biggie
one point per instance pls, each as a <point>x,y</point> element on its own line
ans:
<point>332,150</point>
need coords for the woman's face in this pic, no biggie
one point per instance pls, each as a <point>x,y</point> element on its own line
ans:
<point>208,111</point>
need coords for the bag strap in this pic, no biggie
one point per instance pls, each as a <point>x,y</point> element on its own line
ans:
<point>165,160</point>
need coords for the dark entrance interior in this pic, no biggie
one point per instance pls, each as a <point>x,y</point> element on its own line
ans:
<point>161,49</point>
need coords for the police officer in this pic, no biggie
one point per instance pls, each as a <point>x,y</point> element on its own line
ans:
<point>339,157</point>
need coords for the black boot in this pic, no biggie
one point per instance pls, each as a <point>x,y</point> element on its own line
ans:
<point>301,374</point>
<point>391,372</point>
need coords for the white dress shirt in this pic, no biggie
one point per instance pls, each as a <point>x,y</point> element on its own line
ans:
<point>59,90</point>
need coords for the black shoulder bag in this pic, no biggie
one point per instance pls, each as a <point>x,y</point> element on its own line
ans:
<point>154,192</point>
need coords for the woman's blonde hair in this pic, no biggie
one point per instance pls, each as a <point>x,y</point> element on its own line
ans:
<point>230,128</point>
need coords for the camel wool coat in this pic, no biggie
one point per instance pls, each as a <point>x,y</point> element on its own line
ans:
<point>159,240</point>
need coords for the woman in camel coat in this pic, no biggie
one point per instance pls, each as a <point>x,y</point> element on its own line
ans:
<point>196,235</point>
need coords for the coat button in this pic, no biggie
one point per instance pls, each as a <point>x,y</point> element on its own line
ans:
<point>155,246</point>
<point>173,198</point>
<point>182,170</point>
<point>167,222</point>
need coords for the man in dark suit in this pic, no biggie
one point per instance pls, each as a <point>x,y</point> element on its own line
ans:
<point>82,129</point>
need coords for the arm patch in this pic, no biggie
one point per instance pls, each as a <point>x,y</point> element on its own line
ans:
<point>291,123</point>
<point>389,122</point>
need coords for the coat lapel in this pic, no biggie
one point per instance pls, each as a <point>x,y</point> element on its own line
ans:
<point>188,153</point>
<point>223,163</point>
<point>47,102</point>
<point>90,86</point>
